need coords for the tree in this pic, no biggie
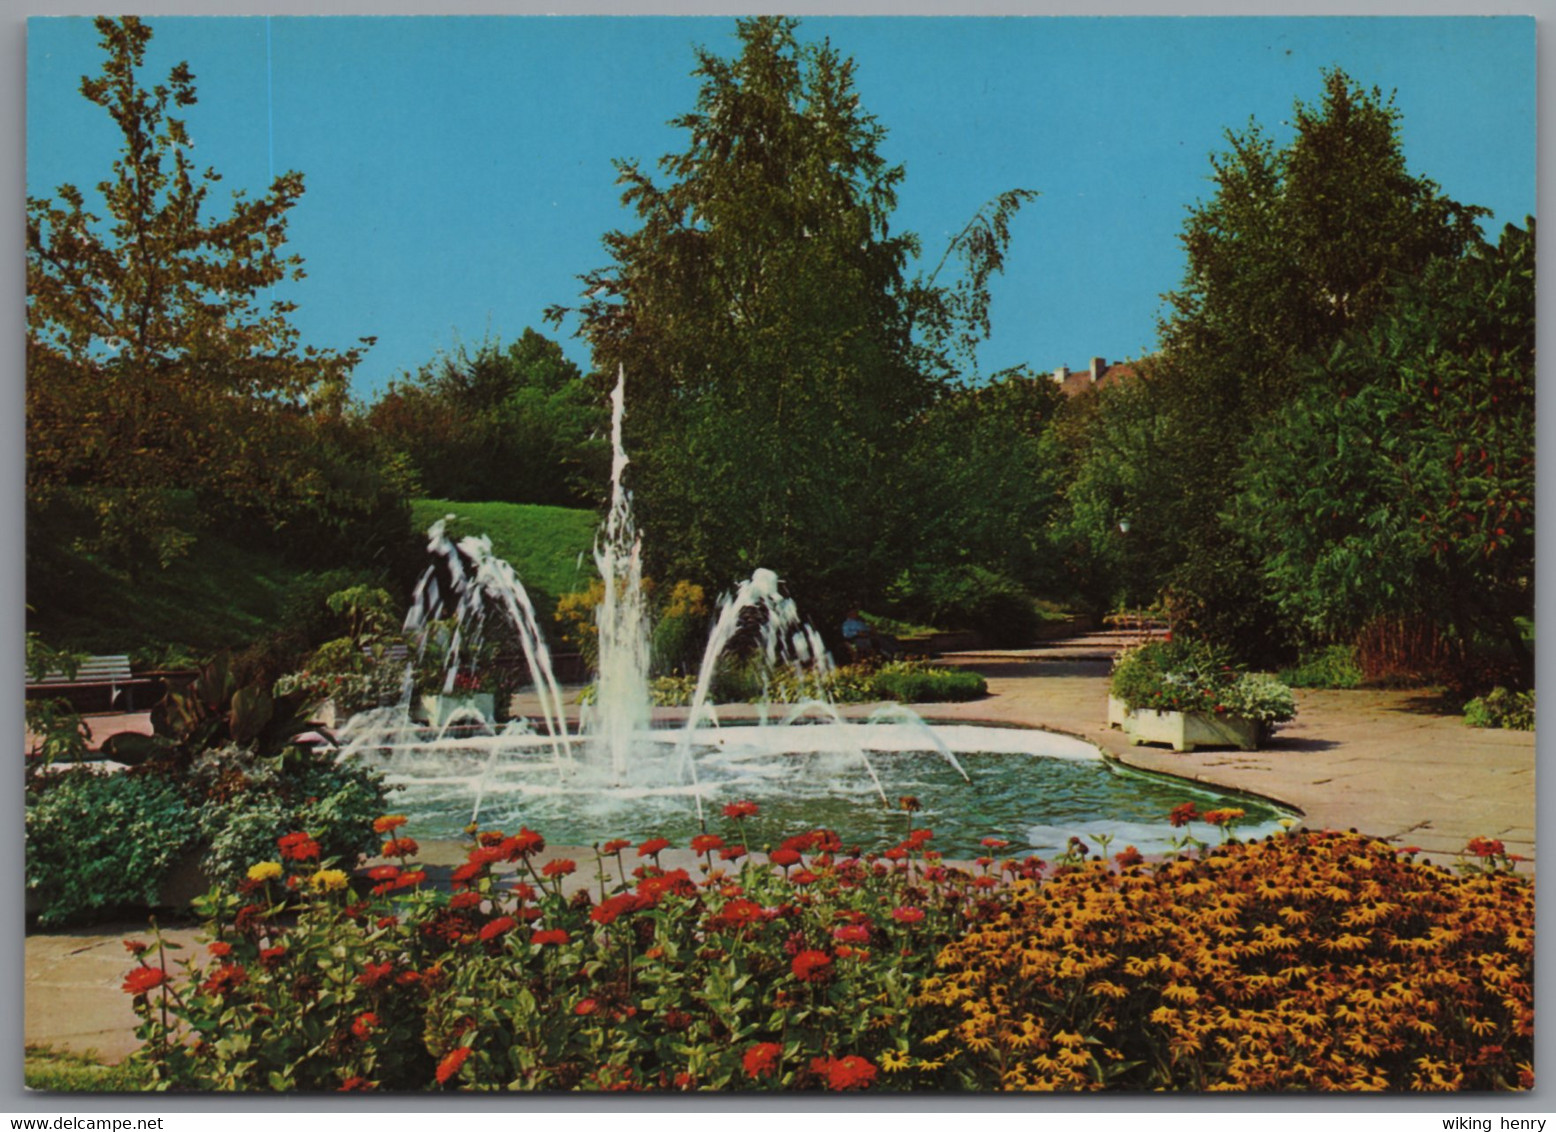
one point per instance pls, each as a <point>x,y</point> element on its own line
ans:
<point>519,424</point>
<point>1402,483</point>
<point>155,361</point>
<point>775,351</point>
<point>1299,245</point>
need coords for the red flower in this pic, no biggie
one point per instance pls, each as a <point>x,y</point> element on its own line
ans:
<point>732,852</point>
<point>615,845</point>
<point>525,842</point>
<point>1130,856</point>
<point>736,914</point>
<point>737,811</point>
<point>811,966</point>
<point>270,956</point>
<point>400,847</point>
<point>298,847</point>
<point>607,910</point>
<point>486,855</point>
<point>136,946</point>
<point>851,1072</point>
<point>761,1060</point>
<point>383,872</point>
<point>1184,814</point>
<point>451,1063</point>
<point>1486,847</point>
<point>784,857</point>
<point>852,933</point>
<point>560,867</point>
<point>523,891</point>
<point>653,847</point>
<point>496,928</point>
<point>707,842</point>
<point>411,879</point>
<point>802,878</point>
<point>355,1085</point>
<point>143,979</point>
<point>907,914</point>
<point>220,949</point>
<point>375,973</point>
<point>364,1025</point>
<point>388,823</point>
<point>462,900</point>
<point>919,837</point>
<point>650,889</point>
<point>467,872</point>
<point>994,843</point>
<point>587,1006</point>
<point>550,935</point>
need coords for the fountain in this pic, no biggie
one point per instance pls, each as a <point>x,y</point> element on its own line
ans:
<point>620,776</point>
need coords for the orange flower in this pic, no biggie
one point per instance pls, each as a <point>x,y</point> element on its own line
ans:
<point>451,1063</point>
<point>400,847</point>
<point>389,823</point>
<point>143,979</point>
<point>1184,814</point>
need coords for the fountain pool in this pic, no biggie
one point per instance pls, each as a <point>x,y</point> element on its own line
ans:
<point>615,776</point>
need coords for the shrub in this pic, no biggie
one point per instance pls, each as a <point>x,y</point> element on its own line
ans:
<point>906,681</point>
<point>912,682</point>
<point>1332,667</point>
<point>1501,707</point>
<point>1323,962</point>
<point>98,841</point>
<point>968,597</point>
<point>1189,676</point>
<point>794,973</point>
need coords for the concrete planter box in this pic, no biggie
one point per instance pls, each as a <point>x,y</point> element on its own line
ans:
<point>1183,731</point>
<point>436,711</point>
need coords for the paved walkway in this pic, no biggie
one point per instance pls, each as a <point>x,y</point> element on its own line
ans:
<point>1387,763</point>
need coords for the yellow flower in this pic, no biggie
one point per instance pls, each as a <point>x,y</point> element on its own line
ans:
<point>329,880</point>
<point>265,870</point>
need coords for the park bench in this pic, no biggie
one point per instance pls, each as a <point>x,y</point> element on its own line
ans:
<point>102,683</point>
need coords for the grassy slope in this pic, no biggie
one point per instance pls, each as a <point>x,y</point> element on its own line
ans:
<point>223,594</point>
<point>544,544</point>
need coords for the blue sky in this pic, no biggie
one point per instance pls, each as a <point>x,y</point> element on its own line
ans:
<point>459,174</point>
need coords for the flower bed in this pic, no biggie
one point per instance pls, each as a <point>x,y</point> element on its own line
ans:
<point>1310,961</point>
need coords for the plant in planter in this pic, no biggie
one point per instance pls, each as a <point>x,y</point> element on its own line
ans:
<point>1186,693</point>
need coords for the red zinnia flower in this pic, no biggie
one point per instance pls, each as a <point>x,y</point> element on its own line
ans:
<point>355,1085</point>
<point>761,1060</point>
<point>221,949</point>
<point>907,914</point>
<point>560,867</point>
<point>224,979</point>
<point>523,891</point>
<point>143,979</point>
<point>1184,814</point>
<point>135,946</point>
<point>494,929</point>
<point>485,855</point>
<point>525,842</point>
<point>587,1006</point>
<point>784,857</point>
<point>811,966</point>
<point>802,878</point>
<point>732,852</point>
<point>550,935</point>
<point>852,933</point>
<point>461,900</point>
<point>451,1063</point>
<point>737,811</point>
<point>994,843</point>
<point>851,1072</point>
<point>388,823</point>
<point>653,847</point>
<point>707,842</point>
<point>1486,847</point>
<point>615,845</point>
<point>383,872</point>
<point>400,847</point>
<point>411,879</point>
<point>298,847</point>
<point>467,873</point>
<point>607,910</point>
<point>364,1025</point>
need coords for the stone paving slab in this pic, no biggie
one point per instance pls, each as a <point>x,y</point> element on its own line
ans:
<point>1381,762</point>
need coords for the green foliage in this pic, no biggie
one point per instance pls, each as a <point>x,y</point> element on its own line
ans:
<point>906,681</point>
<point>98,841</point>
<point>250,801</point>
<point>518,424</point>
<point>1501,707</point>
<point>1191,676</point>
<point>1300,246</point>
<point>966,597</point>
<point>1333,666</point>
<point>1402,483</point>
